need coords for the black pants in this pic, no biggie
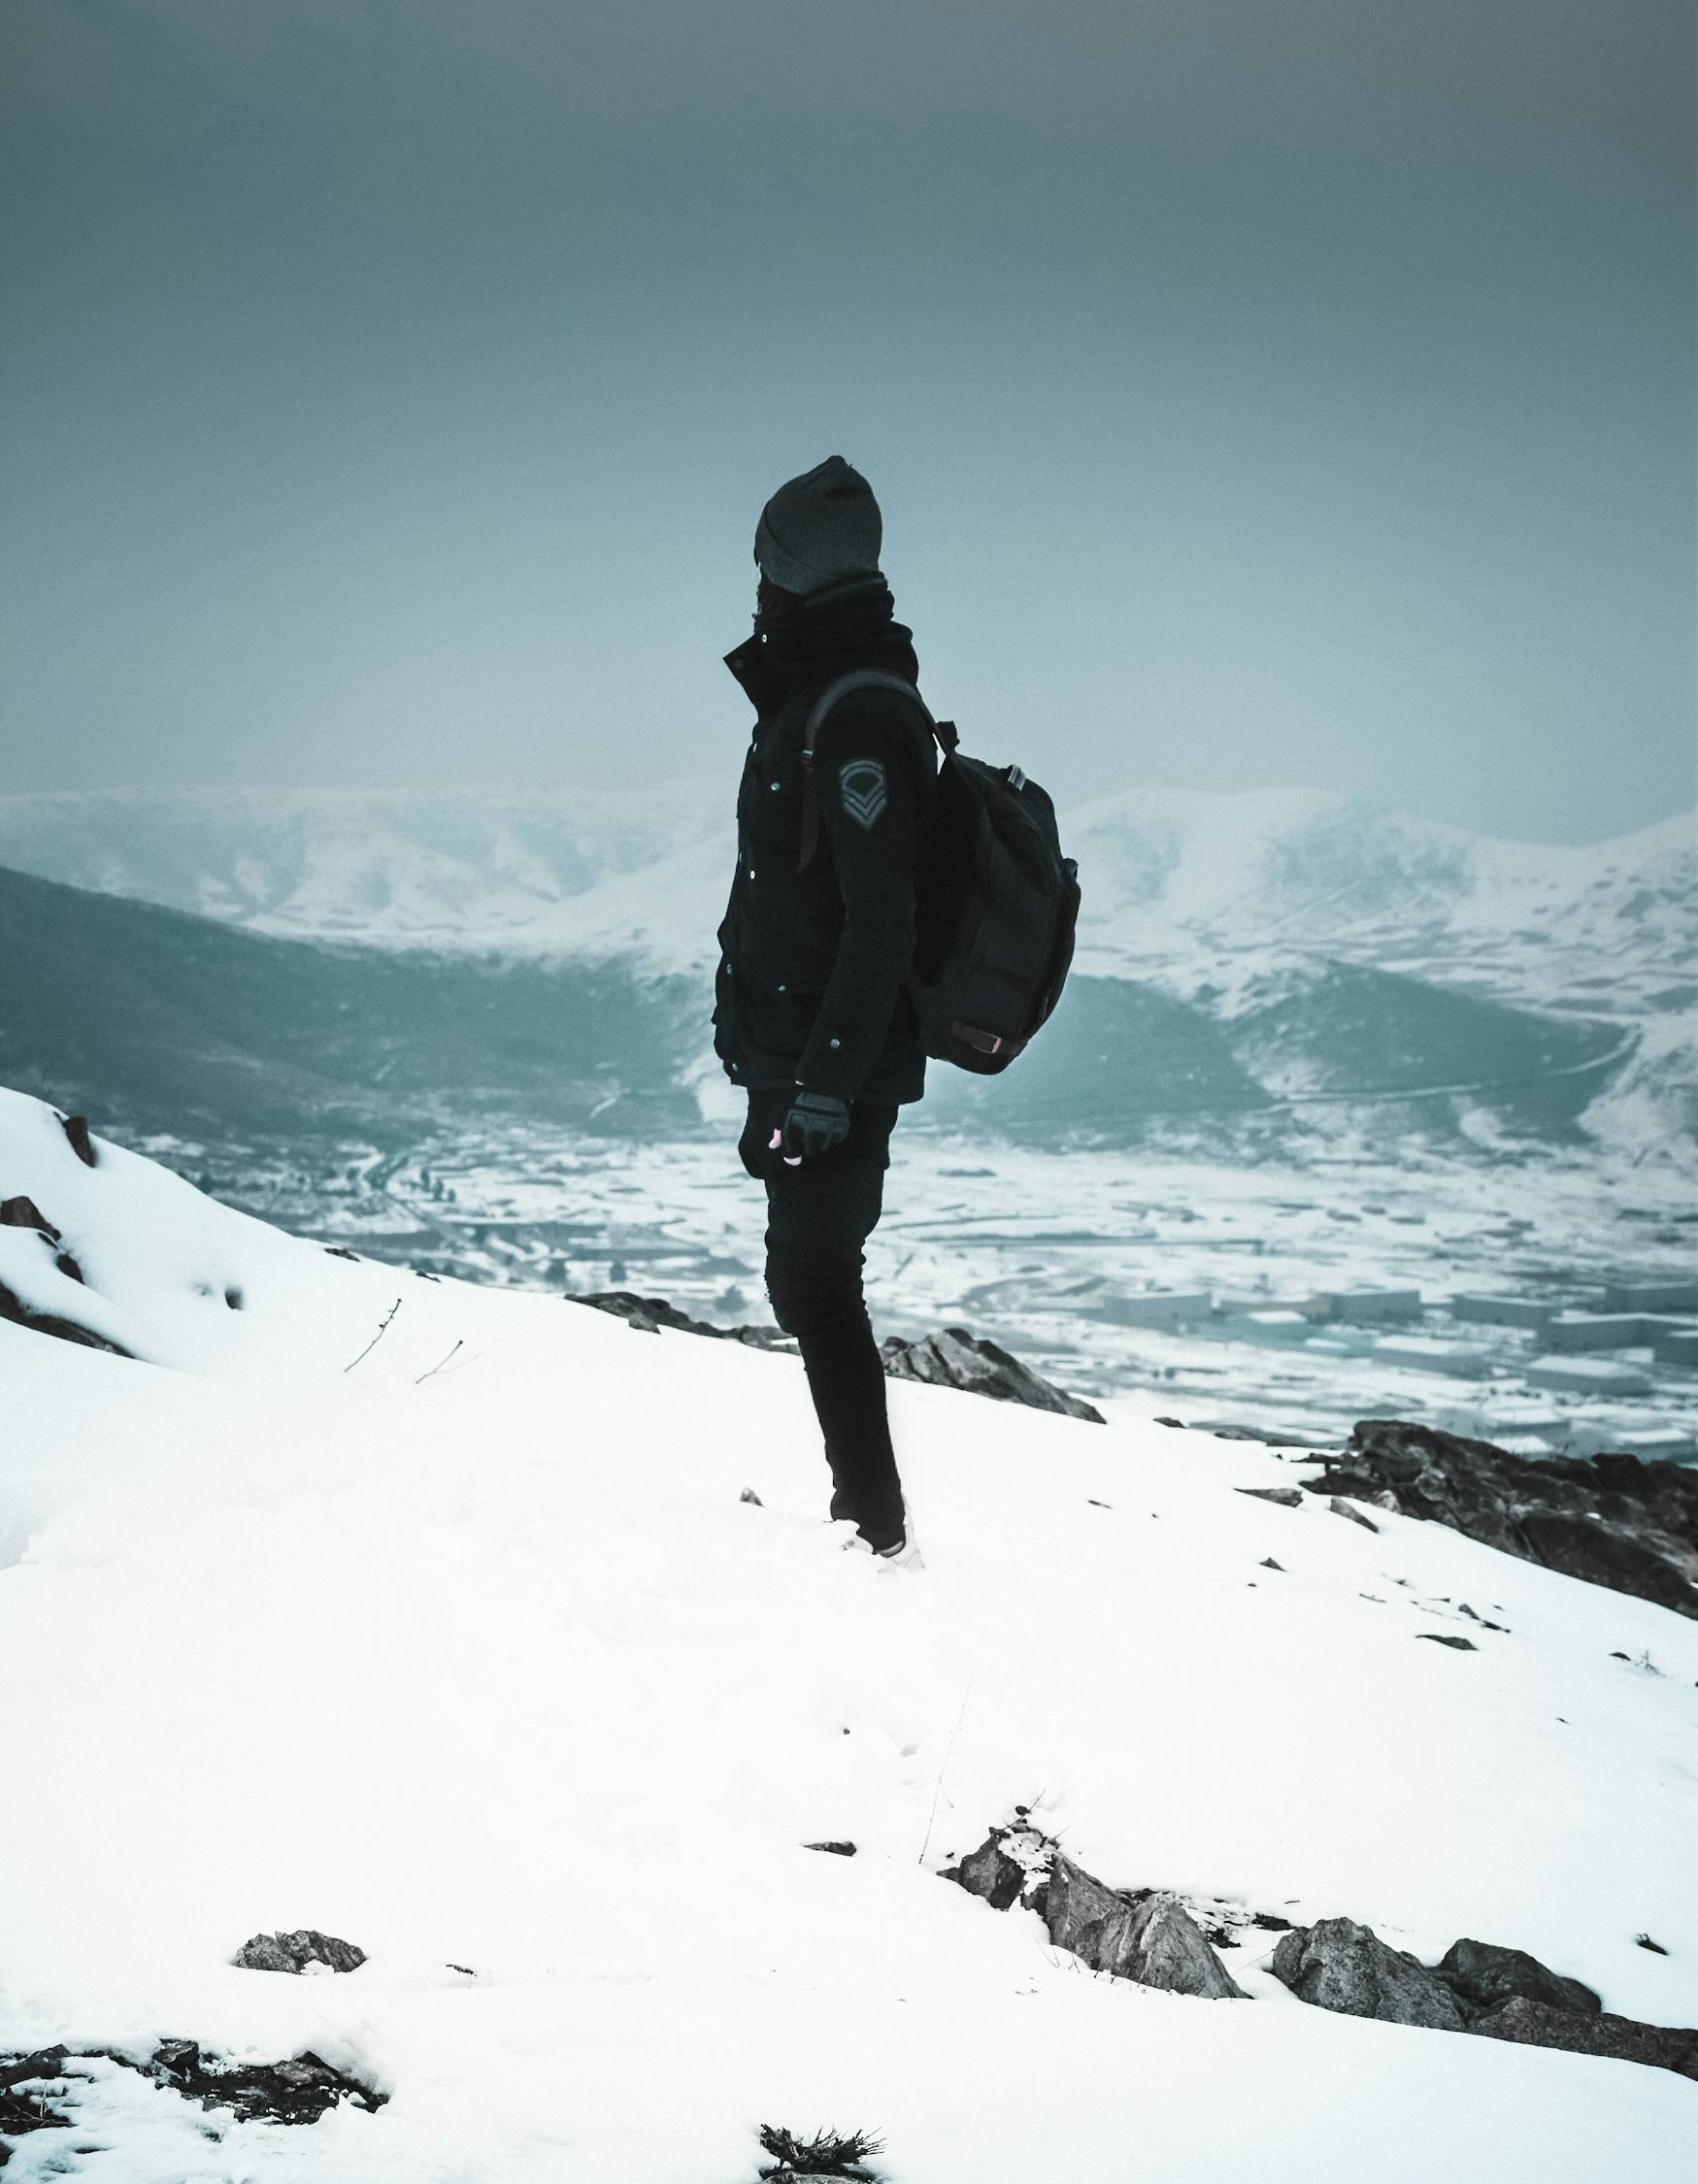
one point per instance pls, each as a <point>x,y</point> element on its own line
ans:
<point>820,1215</point>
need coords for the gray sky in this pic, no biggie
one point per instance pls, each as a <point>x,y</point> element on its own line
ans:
<point>1257,390</point>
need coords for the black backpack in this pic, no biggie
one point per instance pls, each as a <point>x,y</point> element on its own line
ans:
<point>998,902</point>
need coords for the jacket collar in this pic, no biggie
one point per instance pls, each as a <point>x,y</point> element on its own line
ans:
<point>834,632</point>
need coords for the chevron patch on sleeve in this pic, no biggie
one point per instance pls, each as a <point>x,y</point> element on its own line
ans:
<point>865,792</point>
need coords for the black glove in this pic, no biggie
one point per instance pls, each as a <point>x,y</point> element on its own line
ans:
<point>815,1123</point>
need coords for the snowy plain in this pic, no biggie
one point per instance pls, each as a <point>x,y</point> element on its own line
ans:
<point>466,1648</point>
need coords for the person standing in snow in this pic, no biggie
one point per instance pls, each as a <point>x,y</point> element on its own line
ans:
<point>813,1019</point>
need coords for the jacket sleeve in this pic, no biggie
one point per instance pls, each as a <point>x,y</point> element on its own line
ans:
<point>866,767</point>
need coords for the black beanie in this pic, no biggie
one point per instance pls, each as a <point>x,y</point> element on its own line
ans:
<point>818,529</point>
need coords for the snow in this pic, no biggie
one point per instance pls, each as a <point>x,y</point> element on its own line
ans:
<point>1169,873</point>
<point>474,1656</point>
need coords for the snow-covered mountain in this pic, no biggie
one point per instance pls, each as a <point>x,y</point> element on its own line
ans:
<point>441,1620</point>
<point>1166,873</point>
<point>451,869</point>
<point>1291,945</point>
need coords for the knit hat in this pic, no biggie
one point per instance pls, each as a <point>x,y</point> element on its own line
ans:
<point>818,529</point>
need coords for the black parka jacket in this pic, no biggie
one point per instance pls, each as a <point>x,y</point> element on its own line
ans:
<point>813,963</point>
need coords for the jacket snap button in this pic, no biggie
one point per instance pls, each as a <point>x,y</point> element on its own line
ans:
<point>751,872</point>
<point>783,989</point>
<point>837,1042</point>
<point>774,786</point>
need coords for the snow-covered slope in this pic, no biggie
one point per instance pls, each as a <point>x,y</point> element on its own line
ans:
<point>462,1644</point>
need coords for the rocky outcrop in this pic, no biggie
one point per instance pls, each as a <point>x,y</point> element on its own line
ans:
<point>294,1952</point>
<point>1010,1867</point>
<point>37,2094</point>
<point>955,1359</point>
<point>1537,2024</point>
<point>1481,1976</point>
<point>1476,1987</point>
<point>650,1314</point>
<point>949,1359</point>
<point>1613,1520</point>
<point>76,1129</point>
<point>13,1309</point>
<point>1153,1939</point>
<point>1340,1966</point>
<point>25,1213</point>
<point>1147,1937</point>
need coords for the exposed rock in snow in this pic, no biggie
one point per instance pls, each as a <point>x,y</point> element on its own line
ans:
<point>1344,1508</point>
<point>951,1359</point>
<point>955,1359</point>
<point>38,2093</point>
<point>1011,1866</point>
<point>1477,1987</point>
<point>1338,1964</point>
<point>648,1314</point>
<point>25,1213</point>
<point>76,1129</point>
<point>296,1952</point>
<point>13,1309</point>
<point>1481,1976</point>
<point>1537,2024</point>
<point>1614,1520</point>
<point>1150,1937</point>
<point>1153,1941</point>
<point>1287,1497</point>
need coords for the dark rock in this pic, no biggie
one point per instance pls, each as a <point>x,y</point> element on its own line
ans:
<point>1287,1497</point>
<point>293,1952</point>
<point>1613,1520</point>
<point>1456,1644</point>
<point>833,1849</point>
<point>1268,1563</point>
<point>1178,1422</point>
<point>749,1496</point>
<point>340,1251</point>
<point>68,1266</point>
<point>1340,1966</point>
<point>1344,1508</point>
<point>1537,2024</point>
<point>13,1309</point>
<point>648,1314</point>
<point>1150,1937</point>
<point>37,2110</point>
<point>956,1358</point>
<point>25,1213</point>
<point>298,2091</point>
<point>1154,1941</point>
<point>1011,1866</point>
<point>76,1129</point>
<point>1644,1941</point>
<point>1481,1975</point>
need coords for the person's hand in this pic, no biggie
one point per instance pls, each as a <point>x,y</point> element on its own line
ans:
<point>815,1123</point>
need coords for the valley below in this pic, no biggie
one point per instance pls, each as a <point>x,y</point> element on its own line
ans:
<point>1177,1279</point>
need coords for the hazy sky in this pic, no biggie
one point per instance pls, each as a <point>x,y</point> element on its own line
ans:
<point>1257,390</point>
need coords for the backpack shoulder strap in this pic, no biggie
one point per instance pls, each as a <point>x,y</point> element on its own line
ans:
<point>862,679</point>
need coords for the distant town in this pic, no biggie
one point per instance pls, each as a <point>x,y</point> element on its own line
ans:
<point>1548,1305</point>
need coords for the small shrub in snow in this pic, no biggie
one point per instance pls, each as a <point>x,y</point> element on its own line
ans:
<point>828,2153</point>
